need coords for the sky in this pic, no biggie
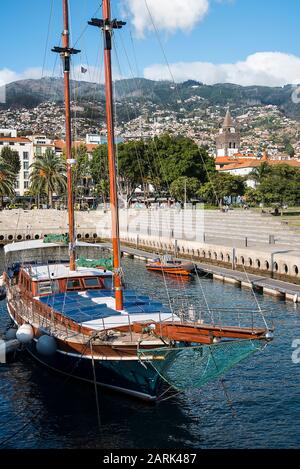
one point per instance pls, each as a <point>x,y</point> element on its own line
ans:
<point>247,42</point>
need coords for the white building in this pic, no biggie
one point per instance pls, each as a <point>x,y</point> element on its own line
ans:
<point>41,144</point>
<point>8,133</point>
<point>24,147</point>
<point>93,139</point>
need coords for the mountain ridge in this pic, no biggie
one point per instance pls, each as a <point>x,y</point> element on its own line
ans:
<point>31,92</point>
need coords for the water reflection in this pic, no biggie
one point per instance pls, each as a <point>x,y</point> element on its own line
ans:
<point>264,390</point>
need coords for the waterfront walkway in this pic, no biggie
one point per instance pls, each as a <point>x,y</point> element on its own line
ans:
<point>284,290</point>
<point>237,238</point>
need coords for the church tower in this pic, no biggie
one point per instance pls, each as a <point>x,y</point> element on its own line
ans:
<point>229,139</point>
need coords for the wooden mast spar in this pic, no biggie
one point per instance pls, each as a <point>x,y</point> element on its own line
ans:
<point>65,51</point>
<point>107,25</point>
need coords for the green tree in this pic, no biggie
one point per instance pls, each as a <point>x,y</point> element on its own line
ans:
<point>282,186</point>
<point>11,159</point>
<point>180,156</point>
<point>289,149</point>
<point>133,169</point>
<point>222,185</point>
<point>259,173</point>
<point>48,175</point>
<point>7,181</point>
<point>184,187</point>
<point>99,172</point>
<point>252,196</point>
<point>81,171</point>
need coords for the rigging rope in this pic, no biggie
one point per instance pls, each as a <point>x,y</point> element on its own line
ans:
<point>176,90</point>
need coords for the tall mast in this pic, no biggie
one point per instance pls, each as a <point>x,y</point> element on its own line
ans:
<point>107,25</point>
<point>65,51</point>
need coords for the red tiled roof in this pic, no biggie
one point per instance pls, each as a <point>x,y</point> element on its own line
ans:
<point>242,164</point>
<point>231,159</point>
<point>60,144</point>
<point>256,163</point>
<point>15,139</point>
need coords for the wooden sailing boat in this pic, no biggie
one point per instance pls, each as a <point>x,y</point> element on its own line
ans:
<point>79,320</point>
<point>171,266</point>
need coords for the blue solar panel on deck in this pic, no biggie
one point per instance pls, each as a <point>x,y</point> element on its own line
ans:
<point>150,309</point>
<point>144,298</point>
<point>134,309</point>
<point>79,308</point>
<point>99,293</point>
<point>130,303</point>
<point>156,304</point>
<point>82,308</point>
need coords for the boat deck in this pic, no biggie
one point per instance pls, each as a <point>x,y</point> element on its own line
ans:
<point>95,308</point>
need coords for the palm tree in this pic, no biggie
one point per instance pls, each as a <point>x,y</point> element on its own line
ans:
<point>48,175</point>
<point>7,181</point>
<point>260,172</point>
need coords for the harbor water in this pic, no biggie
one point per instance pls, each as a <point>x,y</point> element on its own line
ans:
<point>41,409</point>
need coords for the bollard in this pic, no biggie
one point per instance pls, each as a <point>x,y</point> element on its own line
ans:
<point>175,247</point>
<point>233,259</point>
<point>271,239</point>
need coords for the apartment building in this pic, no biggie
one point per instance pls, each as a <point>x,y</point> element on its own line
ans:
<point>24,147</point>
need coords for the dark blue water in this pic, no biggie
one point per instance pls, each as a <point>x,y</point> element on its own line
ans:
<point>45,411</point>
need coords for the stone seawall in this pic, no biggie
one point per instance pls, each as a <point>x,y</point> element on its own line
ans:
<point>239,238</point>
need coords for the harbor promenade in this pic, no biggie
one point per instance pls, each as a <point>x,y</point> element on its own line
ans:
<point>235,239</point>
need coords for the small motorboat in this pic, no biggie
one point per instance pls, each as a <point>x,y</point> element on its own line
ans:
<point>169,265</point>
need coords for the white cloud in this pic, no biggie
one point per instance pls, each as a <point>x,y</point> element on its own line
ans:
<point>262,68</point>
<point>8,76</point>
<point>168,15</point>
<point>93,75</point>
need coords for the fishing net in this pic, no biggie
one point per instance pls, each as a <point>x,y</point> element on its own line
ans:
<point>95,263</point>
<point>56,238</point>
<point>192,367</point>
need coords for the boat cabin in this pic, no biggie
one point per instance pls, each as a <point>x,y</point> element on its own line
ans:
<point>44,280</point>
<point>86,296</point>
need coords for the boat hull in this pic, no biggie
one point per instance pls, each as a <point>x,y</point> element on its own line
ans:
<point>182,269</point>
<point>129,377</point>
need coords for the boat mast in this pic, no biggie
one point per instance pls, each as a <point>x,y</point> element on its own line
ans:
<point>107,25</point>
<point>65,51</point>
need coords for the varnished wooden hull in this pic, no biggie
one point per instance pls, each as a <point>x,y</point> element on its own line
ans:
<point>128,376</point>
<point>121,371</point>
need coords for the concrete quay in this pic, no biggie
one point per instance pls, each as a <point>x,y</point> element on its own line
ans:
<point>237,239</point>
<point>280,289</point>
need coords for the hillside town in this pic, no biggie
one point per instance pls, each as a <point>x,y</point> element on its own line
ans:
<point>260,126</point>
<point>238,145</point>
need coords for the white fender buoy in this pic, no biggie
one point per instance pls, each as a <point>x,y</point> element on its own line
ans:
<point>295,298</point>
<point>269,336</point>
<point>25,334</point>
<point>46,345</point>
<point>10,334</point>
